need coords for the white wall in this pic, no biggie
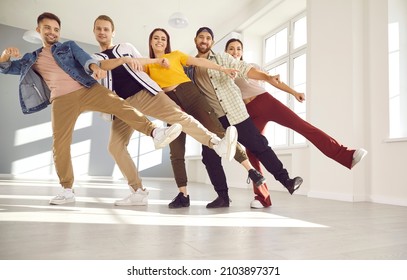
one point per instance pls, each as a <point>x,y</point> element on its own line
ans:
<point>336,93</point>
<point>347,97</point>
<point>387,161</point>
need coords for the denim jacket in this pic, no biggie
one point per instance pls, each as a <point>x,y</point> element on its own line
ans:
<point>33,91</point>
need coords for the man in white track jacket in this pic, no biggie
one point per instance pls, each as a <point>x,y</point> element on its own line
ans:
<point>138,89</point>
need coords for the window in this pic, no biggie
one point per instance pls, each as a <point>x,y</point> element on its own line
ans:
<point>142,151</point>
<point>397,39</point>
<point>285,54</point>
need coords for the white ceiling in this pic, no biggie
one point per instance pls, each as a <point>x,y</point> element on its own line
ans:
<point>135,19</point>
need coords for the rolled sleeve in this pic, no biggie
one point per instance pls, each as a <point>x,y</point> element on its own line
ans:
<point>88,63</point>
<point>5,66</point>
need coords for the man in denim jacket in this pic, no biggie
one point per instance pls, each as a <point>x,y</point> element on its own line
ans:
<point>59,74</point>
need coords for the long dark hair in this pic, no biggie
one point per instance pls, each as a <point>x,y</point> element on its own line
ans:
<point>231,41</point>
<point>167,49</point>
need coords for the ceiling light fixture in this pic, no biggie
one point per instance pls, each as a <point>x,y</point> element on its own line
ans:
<point>178,20</point>
<point>32,36</point>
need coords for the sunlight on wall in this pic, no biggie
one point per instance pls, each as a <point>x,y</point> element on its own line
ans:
<point>150,159</point>
<point>80,153</point>
<point>117,174</point>
<point>142,151</point>
<point>33,133</point>
<point>148,155</point>
<point>38,165</point>
<point>42,164</point>
<point>43,131</point>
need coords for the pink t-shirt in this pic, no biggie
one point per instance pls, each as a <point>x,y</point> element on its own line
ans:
<point>250,87</point>
<point>58,81</point>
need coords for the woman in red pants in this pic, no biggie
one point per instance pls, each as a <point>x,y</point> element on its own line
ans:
<point>263,107</point>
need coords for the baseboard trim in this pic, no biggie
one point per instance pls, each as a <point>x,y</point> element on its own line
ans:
<point>388,200</point>
<point>332,196</point>
<point>351,198</point>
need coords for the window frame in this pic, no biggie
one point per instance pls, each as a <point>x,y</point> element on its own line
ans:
<point>289,57</point>
<point>397,97</point>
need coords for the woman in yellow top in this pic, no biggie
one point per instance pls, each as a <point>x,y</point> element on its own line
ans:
<point>186,94</point>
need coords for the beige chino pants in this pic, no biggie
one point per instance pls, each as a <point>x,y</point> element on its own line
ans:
<point>158,106</point>
<point>67,108</point>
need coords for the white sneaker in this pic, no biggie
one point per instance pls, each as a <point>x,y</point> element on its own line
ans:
<point>137,198</point>
<point>226,147</point>
<point>66,196</point>
<point>358,155</point>
<point>256,204</point>
<point>162,136</point>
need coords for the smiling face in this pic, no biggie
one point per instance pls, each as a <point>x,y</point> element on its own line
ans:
<point>159,42</point>
<point>49,30</point>
<point>103,31</point>
<point>203,42</point>
<point>235,49</point>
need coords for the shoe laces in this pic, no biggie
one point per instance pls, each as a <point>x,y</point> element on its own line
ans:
<point>62,196</point>
<point>178,197</point>
<point>253,173</point>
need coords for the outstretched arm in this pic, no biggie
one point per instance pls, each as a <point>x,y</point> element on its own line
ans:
<point>134,63</point>
<point>202,62</point>
<point>98,73</point>
<point>274,81</point>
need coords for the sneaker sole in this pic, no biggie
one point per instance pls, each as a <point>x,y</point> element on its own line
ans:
<point>212,207</point>
<point>177,207</point>
<point>138,203</point>
<point>173,132</point>
<point>298,184</point>
<point>231,137</point>
<point>60,202</point>
<point>131,204</point>
<point>256,205</point>
<point>359,157</point>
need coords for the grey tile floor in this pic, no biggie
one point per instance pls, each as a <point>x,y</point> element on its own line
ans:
<point>294,228</point>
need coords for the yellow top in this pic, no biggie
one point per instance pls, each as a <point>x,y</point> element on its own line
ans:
<point>172,76</point>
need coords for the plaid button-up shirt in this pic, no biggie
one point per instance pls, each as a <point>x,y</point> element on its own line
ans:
<point>227,92</point>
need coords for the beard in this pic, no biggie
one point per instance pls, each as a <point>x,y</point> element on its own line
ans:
<point>203,48</point>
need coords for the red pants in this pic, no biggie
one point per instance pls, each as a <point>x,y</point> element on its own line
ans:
<point>265,108</point>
